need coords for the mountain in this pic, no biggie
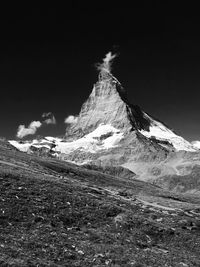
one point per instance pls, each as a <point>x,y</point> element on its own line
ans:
<point>108,105</point>
<point>108,114</point>
<point>110,131</point>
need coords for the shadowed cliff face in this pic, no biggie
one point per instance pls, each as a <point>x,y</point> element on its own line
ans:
<point>108,104</point>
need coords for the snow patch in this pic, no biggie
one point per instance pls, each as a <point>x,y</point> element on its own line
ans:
<point>91,142</point>
<point>41,146</point>
<point>161,132</point>
<point>24,147</point>
<point>53,139</point>
<point>196,144</point>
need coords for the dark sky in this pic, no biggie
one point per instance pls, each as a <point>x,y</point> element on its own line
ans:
<point>47,57</point>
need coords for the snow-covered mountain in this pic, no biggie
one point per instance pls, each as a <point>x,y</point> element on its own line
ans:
<point>110,130</point>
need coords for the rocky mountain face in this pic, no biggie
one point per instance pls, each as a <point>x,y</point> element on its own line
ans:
<point>139,135</point>
<point>108,105</point>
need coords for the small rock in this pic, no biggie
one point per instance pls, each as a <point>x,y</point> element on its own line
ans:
<point>107,262</point>
<point>39,219</point>
<point>99,255</point>
<point>182,264</point>
<point>80,252</point>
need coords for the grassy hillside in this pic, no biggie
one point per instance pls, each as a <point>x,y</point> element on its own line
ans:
<point>54,213</point>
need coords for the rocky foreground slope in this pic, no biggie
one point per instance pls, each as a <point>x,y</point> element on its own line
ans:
<point>54,213</point>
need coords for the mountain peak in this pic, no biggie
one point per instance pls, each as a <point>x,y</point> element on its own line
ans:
<point>108,104</point>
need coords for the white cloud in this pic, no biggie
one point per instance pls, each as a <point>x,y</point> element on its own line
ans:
<point>49,118</point>
<point>31,129</point>
<point>71,119</point>
<point>107,62</point>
